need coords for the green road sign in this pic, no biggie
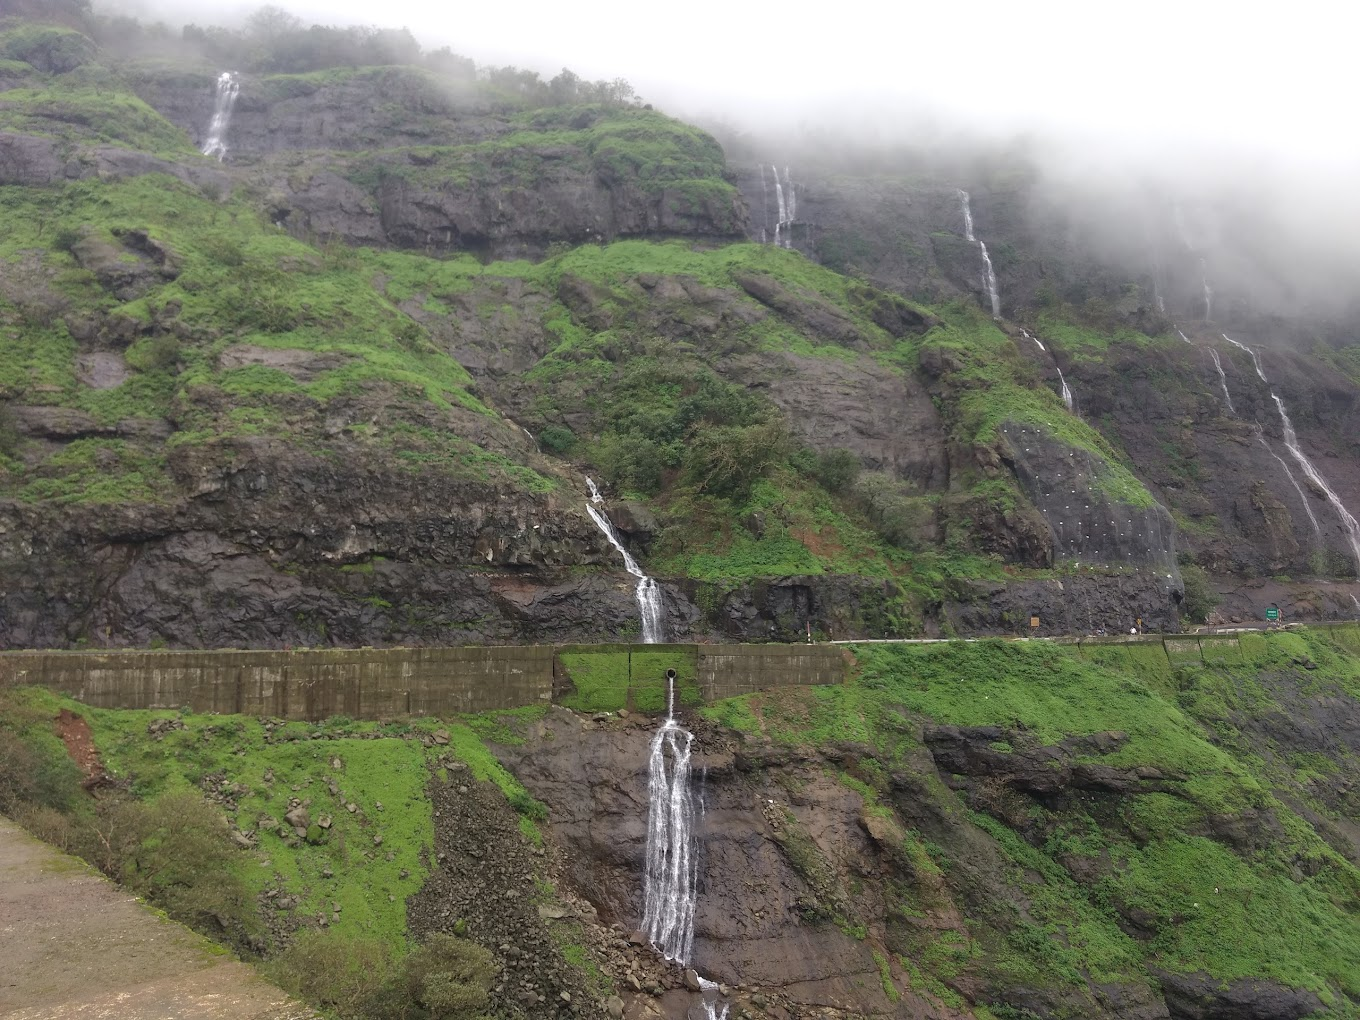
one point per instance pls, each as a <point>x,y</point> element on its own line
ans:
<point>1272,613</point>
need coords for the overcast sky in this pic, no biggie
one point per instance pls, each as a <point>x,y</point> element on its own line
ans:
<point>1262,76</point>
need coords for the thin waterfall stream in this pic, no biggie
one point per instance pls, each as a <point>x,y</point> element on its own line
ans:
<point>648,591</point>
<point>988,273</point>
<point>1222,380</point>
<point>1291,443</point>
<point>1066,391</point>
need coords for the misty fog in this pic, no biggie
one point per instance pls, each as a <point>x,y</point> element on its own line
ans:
<point>1234,121</point>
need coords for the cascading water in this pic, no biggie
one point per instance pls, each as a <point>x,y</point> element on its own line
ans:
<point>1222,380</point>
<point>228,88</point>
<point>1254,359</point>
<point>788,206</point>
<point>1066,391</point>
<point>648,591</point>
<point>1208,293</point>
<point>1303,498</point>
<point>1291,443</point>
<point>669,891</point>
<point>989,277</point>
<point>988,273</point>
<point>764,206</point>
<point>1184,337</point>
<point>1030,336</point>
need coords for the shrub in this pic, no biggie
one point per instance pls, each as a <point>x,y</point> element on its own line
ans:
<point>836,470</point>
<point>343,972</point>
<point>1200,597</point>
<point>154,353</point>
<point>557,439</point>
<point>35,770</point>
<point>65,239</point>
<point>450,977</point>
<point>176,852</point>
<point>724,460</point>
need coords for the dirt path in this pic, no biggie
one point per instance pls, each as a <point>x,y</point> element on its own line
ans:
<point>74,945</point>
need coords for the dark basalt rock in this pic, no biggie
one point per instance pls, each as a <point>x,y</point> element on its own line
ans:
<point>1201,997</point>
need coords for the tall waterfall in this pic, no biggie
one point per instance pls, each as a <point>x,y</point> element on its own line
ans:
<point>228,88</point>
<point>1066,391</point>
<point>1291,443</point>
<point>1303,497</point>
<point>1255,360</point>
<point>988,273</point>
<point>1208,293</point>
<point>1222,380</point>
<point>787,199</point>
<point>648,591</point>
<point>669,891</point>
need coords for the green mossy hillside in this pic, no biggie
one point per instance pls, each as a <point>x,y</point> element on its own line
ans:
<point>91,112</point>
<point>1234,863</point>
<point>621,147</point>
<point>366,844</point>
<point>229,329</point>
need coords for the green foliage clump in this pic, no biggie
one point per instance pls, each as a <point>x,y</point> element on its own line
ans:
<point>35,770</point>
<point>1200,597</point>
<point>51,49</point>
<point>76,113</point>
<point>361,978</point>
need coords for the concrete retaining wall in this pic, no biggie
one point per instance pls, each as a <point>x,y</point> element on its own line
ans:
<point>387,683</point>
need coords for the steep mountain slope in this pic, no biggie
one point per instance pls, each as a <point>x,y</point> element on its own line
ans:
<point>995,830</point>
<point>282,398</point>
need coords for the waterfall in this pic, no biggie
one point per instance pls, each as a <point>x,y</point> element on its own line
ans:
<point>1291,443</point>
<point>967,216</point>
<point>989,279</point>
<point>1357,603</point>
<point>764,205</point>
<point>1184,337</point>
<point>228,88</point>
<point>788,208</point>
<point>1066,391</point>
<point>648,591</point>
<point>669,891</point>
<point>1208,293</point>
<point>1254,359</point>
<point>1030,336</point>
<point>988,273</point>
<point>1303,498</point>
<point>1222,380</point>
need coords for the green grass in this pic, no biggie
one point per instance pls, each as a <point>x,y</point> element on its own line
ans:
<point>240,281</point>
<point>383,771</point>
<point>89,114</point>
<point>607,681</point>
<point>1281,909</point>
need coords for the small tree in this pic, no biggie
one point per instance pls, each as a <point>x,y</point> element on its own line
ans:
<point>450,977</point>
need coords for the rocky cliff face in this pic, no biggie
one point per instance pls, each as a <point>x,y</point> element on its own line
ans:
<point>282,398</point>
<point>847,880</point>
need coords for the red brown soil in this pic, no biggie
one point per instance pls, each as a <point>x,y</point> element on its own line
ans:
<point>75,734</point>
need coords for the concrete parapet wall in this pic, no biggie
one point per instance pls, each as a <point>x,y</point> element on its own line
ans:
<point>368,683</point>
<point>310,685</point>
<point>725,671</point>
